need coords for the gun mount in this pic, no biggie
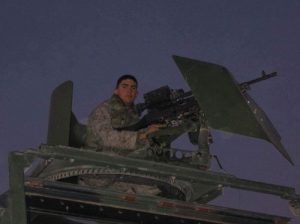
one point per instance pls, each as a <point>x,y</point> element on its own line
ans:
<point>64,181</point>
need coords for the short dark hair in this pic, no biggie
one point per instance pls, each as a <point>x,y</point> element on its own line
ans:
<point>126,76</point>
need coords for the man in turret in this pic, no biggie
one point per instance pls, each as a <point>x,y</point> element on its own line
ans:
<point>103,135</point>
<point>117,112</point>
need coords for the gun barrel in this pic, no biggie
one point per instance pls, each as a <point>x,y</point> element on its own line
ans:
<point>262,78</point>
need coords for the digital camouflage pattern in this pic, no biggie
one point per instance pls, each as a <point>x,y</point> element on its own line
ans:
<point>103,122</point>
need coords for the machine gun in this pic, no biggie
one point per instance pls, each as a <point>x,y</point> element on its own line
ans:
<point>166,106</point>
<point>176,108</point>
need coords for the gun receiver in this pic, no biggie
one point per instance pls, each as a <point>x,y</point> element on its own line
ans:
<point>246,85</point>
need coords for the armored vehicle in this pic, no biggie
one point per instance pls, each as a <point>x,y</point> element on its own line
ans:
<point>65,181</point>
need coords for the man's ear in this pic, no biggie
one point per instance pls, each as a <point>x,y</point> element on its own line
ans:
<point>116,92</point>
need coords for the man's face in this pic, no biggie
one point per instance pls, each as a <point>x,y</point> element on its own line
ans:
<point>127,91</point>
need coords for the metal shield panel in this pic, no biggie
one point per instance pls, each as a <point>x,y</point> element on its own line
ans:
<point>225,106</point>
<point>60,114</point>
<point>219,97</point>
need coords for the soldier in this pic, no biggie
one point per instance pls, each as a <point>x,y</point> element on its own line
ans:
<point>102,134</point>
<point>117,112</point>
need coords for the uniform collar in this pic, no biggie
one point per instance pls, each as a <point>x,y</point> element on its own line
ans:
<point>119,100</point>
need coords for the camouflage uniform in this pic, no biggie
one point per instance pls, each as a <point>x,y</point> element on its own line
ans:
<point>103,121</point>
<point>103,136</point>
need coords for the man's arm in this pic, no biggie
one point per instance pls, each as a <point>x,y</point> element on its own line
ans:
<point>103,134</point>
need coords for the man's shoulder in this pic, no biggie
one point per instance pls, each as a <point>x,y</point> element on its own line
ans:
<point>114,104</point>
<point>109,105</point>
<point>103,106</point>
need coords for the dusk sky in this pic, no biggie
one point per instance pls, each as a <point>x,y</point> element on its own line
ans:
<point>44,43</point>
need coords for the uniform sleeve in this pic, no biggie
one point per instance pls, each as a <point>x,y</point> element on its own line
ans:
<point>103,132</point>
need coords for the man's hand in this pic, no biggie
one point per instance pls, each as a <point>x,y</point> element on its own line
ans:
<point>149,130</point>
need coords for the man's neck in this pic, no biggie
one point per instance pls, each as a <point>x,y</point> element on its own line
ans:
<point>121,101</point>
